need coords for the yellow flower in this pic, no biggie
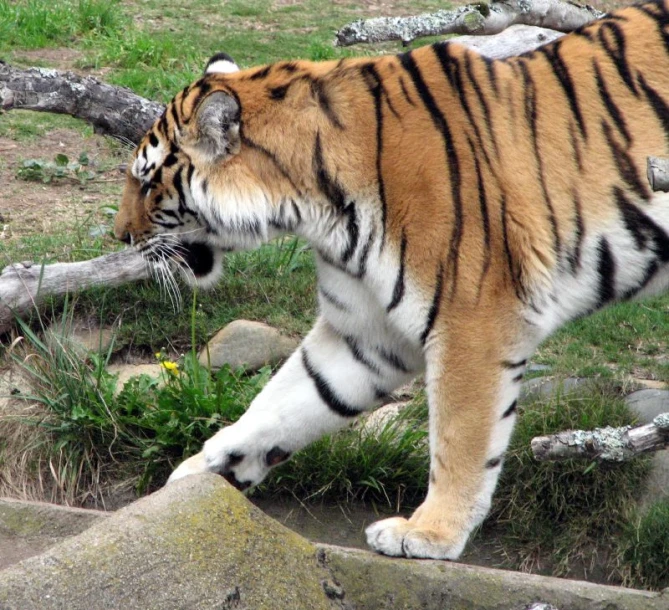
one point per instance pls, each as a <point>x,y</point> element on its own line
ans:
<point>170,367</point>
<point>158,355</point>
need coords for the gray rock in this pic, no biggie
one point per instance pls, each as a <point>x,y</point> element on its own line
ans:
<point>200,544</point>
<point>546,387</point>
<point>376,421</point>
<point>127,371</point>
<point>30,528</point>
<point>648,403</point>
<point>197,543</point>
<point>82,336</point>
<point>249,344</point>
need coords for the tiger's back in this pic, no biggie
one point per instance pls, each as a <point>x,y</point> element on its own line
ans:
<point>460,209</point>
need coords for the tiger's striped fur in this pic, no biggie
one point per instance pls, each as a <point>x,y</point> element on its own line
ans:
<point>460,209</point>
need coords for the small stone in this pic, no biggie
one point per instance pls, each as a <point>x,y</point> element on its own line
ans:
<point>544,387</point>
<point>376,421</point>
<point>127,371</point>
<point>81,336</point>
<point>243,343</point>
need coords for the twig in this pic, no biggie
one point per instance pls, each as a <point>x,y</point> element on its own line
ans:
<point>604,444</point>
<point>472,19</point>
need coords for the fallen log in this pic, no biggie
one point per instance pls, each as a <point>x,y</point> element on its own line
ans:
<point>604,444</point>
<point>24,285</point>
<point>114,111</point>
<point>479,19</point>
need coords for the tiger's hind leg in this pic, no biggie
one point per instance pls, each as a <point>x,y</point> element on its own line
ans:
<point>473,380</point>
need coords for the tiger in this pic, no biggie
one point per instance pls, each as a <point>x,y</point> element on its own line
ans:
<point>460,209</point>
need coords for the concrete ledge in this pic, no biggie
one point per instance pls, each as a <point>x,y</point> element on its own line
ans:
<point>199,543</point>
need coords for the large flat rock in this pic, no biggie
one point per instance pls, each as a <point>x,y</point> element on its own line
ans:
<point>199,544</point>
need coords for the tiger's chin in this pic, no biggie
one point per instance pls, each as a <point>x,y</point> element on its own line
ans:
<point>201,264</point>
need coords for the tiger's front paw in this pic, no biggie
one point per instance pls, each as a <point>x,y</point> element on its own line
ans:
<point>399,537</point>
<point>242,456</point>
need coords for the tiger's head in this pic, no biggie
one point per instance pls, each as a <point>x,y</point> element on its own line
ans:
<point>197,187</point>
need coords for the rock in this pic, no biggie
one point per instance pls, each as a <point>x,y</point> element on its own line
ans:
<point>647,404</point>
<point>249,344</point>
<point>127,371</point>
<point>197,543</point>
<point>200,544</point>
<point>81,335</point>
<point>30,528</point>
<point>376,421</point>
<point>546,387</point>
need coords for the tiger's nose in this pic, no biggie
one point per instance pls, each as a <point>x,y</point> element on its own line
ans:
<point>125,237</point>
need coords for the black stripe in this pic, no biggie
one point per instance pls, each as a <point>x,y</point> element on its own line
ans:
<point>611,37</point>
<point>364,255</point>
<point>337,197</point>
<point>492,77</point>
<point>398,290</point>
<point>574,257</point>
<point>319,91</point>
<point>262,73</point>
<point>434,307</point>
<point>531,117</point>
<point>392,359</point>
<point>487,115</point>
<point>606,268</point>
<point>644,230</point>
<point>407,97</point>
<point>485,219</point>
<point>328,396</point>
<point>648,275</point>
<point>153,140</point>
<point>278,93</point>
<point>409,64</point>
<point>359,356</point>
<point>272,157</point>
<point>576,147</point>
<point>518,377</point>
<point>373,82</point>
<point>613,110</point>
<point>333,300</point>
<point>511,409</point>
<point>659,106</point>
<point>203,88</point>
<point>510,364</point>
<point>561,70</point>
<point>513,267</point>
<point>625,164</point>
<point>490,464</point>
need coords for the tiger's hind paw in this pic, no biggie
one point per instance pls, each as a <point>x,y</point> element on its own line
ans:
<point>399,537</point>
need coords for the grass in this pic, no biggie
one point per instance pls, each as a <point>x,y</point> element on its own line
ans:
<point>79,436</point>
<point>564,510</point>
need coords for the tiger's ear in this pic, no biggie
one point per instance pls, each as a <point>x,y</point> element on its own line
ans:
<point>217,121</point>
<point>221,63</point>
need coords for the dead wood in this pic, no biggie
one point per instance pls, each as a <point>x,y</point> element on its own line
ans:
<point>604,444</point>
<point>472,19</point>
<point>111,110</point>
<point>24,285</point>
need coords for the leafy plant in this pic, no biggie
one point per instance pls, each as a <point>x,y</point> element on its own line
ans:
<point>61,168</point>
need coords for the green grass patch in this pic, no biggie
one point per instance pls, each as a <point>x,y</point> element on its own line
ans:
<point>564,510</point>
<point>33,24</point>
<point>645,547</point>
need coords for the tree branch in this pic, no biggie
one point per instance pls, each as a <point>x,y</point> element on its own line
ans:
<point>24,285</point>
<point>604,444</point>
<point>114,111</point>
<point>471,19</point>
